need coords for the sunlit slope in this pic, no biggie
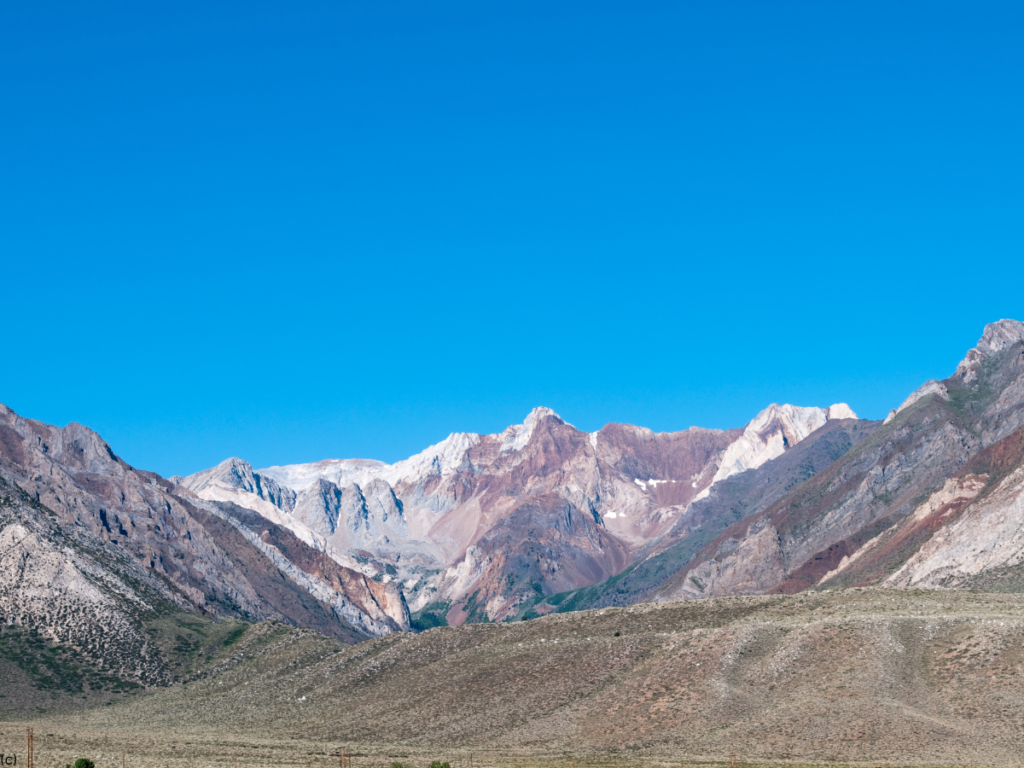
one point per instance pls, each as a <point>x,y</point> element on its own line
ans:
<point>855,675</point>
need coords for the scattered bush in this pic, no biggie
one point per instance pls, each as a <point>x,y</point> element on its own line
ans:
<point>439,764</point>
<point>84,762</point>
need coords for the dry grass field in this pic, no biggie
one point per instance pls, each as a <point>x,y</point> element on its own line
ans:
<point>864,677</point>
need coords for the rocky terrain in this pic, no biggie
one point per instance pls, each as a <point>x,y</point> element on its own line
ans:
<point>66,586</point>
<point>930,497</point>
<point>544,517</point>
<point>478,526</point>
<point>207,558</point>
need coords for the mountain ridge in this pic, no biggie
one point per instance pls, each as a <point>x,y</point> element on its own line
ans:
<point>194,553</point>
<point>474,518</point>
<point>543,517</point>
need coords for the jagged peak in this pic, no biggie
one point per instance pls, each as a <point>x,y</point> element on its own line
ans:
<point>840,411</point>
<point>802,419</point>
<point>774,430</point>
<point>234,461</point>
<point>999,335</point>
<point>441,459</point>
<point>539,413</point>
<point>994,339</point>
<point>234,466</point>
<point>516,437</point>
<point>232,470</point>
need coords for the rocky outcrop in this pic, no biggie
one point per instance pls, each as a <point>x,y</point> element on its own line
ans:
<point>928,388</point>
<point>319,507</point>
<point>996,338</point>
<point>234,475</point>
<point>978,522</point>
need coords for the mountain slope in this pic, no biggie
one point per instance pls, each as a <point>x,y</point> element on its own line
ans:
<point>861,520</point>
<point>734,498</point>
<point>81,623</point>
<point>205,557</point>
<point>67,586</point>
<point>859,676</point>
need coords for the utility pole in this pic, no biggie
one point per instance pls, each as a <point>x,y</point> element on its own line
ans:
<point>29,748</point>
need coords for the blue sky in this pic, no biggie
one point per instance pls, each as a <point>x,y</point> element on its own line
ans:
<point>289,232</point>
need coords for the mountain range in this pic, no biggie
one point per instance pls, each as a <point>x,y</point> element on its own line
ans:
<point>537,519</point>
<point>478,526</point>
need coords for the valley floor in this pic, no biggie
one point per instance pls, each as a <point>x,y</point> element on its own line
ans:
<point>211,750</point>
<point>862,676</point>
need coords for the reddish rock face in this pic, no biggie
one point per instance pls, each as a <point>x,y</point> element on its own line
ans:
<point>565,510</point>
<point>480,525</point>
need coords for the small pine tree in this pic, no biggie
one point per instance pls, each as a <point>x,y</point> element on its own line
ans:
<point>84,762</point>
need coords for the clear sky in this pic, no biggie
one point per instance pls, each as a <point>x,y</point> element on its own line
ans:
<point>294,231</point>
